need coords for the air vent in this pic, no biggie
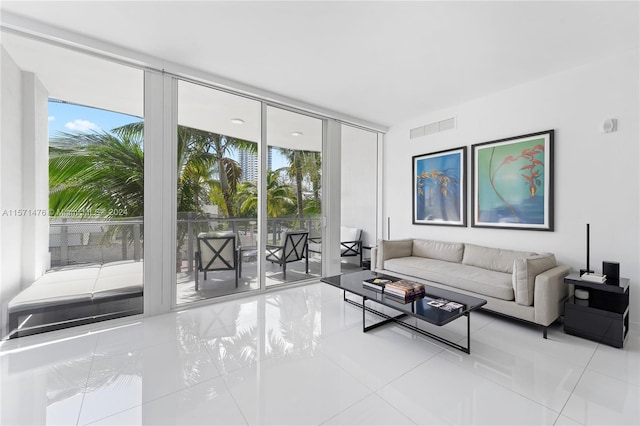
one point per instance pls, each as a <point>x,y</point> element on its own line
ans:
<point>417,132</point>
<point>428,129</point>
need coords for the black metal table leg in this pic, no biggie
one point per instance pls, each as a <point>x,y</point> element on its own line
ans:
<point>397,319</point>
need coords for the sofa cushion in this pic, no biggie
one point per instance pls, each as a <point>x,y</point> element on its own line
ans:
<point>525,270</point>
<point>119,278</point>
<point>39,295</point>
<point>57,287</point>
<point>470,278</point>
<point>492,258</point>
<point>441,250</point>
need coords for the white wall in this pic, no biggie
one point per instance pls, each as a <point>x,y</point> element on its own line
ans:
<point>10,181</point>
<point>596,175</point>
<point>35,178</point>
<point>24,181</point>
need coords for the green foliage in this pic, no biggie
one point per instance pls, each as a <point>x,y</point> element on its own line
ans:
<point>280,196</point>
<point>304,166</point>
<point>97,174</point>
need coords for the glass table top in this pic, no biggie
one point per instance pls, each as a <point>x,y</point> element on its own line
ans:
<point>418,307</point>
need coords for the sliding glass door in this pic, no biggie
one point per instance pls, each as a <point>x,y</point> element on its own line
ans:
<point>218,245</point>
<point>248,190</point>
<point>294,197</point>
<point>217,193</point>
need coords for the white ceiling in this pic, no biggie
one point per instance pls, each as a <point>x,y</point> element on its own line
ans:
<point>383,62</point>
<point>79,78</point>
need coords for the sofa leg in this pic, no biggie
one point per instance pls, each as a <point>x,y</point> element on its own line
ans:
<point>544,332</point>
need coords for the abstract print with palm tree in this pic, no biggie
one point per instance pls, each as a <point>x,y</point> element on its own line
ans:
<point>439,189</point>
<point>512,179</point>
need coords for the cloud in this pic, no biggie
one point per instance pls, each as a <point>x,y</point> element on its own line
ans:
<point>81,125</point>
<point>51,118</point>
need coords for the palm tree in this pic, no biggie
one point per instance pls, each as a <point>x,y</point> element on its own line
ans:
<point>97,173</point>
<point>279,196</point>
<point>303,164</point>
<point>229,172</point>
<point>101,171</point>
<point>295,171</point>
<point>194,171</point>
<point>201,155</point>
<point>312,168</point>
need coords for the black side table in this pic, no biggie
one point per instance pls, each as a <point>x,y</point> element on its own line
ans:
<point>604,316</point>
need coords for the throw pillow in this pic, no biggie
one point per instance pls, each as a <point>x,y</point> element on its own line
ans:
<point>525,270</point>
<point>391,249</point>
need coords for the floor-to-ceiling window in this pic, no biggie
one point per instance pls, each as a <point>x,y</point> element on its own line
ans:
<point>294,196</point>
<point>248,189</point>
<point>358,191</point>
<point>217,193</point>
<point>76,213</point>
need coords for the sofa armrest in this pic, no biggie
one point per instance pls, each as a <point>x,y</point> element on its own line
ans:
<point>390,249</point>
<point>374,258</point>
<point>549,295</point>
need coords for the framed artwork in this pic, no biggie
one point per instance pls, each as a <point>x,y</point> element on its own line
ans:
<point>439,188</point>
<point>512,182</point>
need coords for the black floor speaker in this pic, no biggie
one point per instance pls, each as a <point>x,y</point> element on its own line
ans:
<point>611,270</point>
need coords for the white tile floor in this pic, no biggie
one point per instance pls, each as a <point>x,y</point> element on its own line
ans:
<point>298,356</point>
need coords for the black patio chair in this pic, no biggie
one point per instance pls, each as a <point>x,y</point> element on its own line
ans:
<point>293,249</point>
<point>350,243</point>
<point>217,253</point>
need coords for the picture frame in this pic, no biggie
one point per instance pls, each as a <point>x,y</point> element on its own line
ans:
<point>512,181</point>
<point>439,181</point>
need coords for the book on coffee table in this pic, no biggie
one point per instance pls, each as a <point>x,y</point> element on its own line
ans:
<point>376,284</point>
<point>405,290</point>
<point>452,306</point>
<point>403,287</point>
<point>403,299</point>
<point>446,305</point>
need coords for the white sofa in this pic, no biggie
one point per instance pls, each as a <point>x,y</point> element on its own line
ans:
<point>523,285</point>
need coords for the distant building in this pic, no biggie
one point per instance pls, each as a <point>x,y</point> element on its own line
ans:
<point>249,163</point>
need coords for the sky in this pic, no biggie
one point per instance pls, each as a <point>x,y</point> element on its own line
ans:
<point>66,117</point>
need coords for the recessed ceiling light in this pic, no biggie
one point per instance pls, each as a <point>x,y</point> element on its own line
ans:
<point>297,134</point>
<point>237,121</point>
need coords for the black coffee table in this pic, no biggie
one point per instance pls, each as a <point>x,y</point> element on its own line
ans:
<point>418,308</point>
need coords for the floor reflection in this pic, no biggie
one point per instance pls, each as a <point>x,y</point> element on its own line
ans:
<point>299,355</point>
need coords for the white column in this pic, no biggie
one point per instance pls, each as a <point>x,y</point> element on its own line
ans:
<point>159,192</point>
<point>380,218</point>
<point>35,178</point>
<point>331,165</point>
<point>263,231</point>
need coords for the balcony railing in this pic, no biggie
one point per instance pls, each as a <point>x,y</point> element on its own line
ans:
<point>75,241</point>
<point>79,241</point>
